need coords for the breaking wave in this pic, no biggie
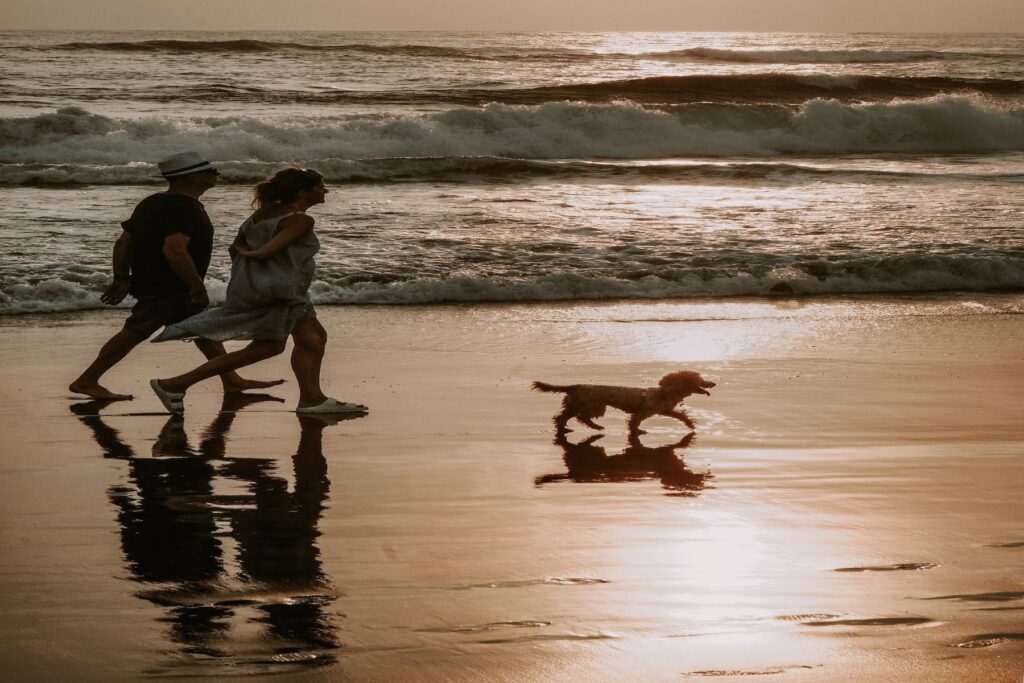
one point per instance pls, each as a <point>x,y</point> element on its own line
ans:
<point>770,87</point>
<point>72,145</point>
<point>893,274</point>
<point>692,54</point>
<point>797,56</point>
<point>662,91</point>
<point>492,169</point>
<point>244,46</point>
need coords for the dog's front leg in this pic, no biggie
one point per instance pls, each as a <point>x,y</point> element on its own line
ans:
<point>634,424</point>
<point>681,416</point>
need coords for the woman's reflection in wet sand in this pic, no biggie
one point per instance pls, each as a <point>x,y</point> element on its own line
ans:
<point>177,533</point>
<point>588,462</point>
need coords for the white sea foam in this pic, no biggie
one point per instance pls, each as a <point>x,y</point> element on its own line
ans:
<point>73,145</point>
<point>892,275</point>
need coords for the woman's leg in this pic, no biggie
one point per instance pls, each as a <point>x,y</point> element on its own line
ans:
<point>310,339</point>
<point>256,351</point>
<point>233,383</point>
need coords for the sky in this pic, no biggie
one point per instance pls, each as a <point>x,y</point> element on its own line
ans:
<point>521,15</point>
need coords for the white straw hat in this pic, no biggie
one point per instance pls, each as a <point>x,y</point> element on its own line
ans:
<point>183,164</point>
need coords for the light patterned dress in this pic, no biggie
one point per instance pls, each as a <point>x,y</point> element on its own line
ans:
<point>265,297</point>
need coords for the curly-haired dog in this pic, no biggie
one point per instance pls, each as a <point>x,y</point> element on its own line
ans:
<point>587,401</point>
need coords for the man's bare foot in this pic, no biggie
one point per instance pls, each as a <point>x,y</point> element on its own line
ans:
<point>235,386</point>
<point>96,391</point>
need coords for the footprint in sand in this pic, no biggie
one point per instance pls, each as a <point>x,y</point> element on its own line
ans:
<point>989,639</point>
<point>479,628</point>
<point>902,567</point>
<point>877,621</point>
<point>769,671</point>
<point>542,637</point>
<point>554,581</point>
<point>995,596</point>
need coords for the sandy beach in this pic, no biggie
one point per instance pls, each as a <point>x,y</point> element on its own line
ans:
<point>849,509</point>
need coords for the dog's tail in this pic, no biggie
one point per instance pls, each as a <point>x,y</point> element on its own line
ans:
<point>549,388</point>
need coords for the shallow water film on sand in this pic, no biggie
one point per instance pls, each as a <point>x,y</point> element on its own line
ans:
<point>829,227</point>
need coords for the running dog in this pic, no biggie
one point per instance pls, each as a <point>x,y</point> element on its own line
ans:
<point>587,401</point>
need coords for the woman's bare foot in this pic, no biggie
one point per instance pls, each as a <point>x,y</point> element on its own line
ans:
<point>234,386</point>
<point>96,391</point>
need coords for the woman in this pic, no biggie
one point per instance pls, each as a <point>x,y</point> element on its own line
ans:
<point>268,296</point>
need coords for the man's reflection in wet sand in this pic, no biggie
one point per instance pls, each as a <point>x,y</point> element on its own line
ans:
<point>588,462</point>
<point>219,560</point>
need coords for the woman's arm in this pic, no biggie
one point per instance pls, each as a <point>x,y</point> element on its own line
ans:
<point>237,246</point>
<point>291,229</point>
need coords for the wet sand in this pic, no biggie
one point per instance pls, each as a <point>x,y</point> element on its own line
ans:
<point>849,509</point>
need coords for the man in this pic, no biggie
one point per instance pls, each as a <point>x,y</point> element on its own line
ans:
<point>161,259</point>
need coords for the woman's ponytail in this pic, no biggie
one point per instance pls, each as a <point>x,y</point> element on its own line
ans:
<point>284,186</point>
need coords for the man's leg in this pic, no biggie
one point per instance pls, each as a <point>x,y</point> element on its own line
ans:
<point>233,382</point>
<point>111,353</point>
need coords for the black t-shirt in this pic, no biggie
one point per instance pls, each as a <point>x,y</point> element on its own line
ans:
<point>156,217</point>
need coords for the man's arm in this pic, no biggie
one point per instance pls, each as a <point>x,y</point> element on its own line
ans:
<point>122,264</point>
<point>176,252</point>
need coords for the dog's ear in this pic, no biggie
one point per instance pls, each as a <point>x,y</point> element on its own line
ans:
<point>682,377</point>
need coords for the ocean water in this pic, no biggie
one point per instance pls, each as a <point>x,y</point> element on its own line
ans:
<point>533,167</point>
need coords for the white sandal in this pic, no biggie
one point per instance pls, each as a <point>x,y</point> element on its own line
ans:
<point>333,405</point>
<point>175,403</point>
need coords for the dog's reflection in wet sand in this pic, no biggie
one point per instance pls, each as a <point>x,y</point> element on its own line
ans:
<point>588,462</point>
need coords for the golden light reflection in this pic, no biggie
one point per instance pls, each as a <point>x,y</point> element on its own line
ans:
<point>718,559</point>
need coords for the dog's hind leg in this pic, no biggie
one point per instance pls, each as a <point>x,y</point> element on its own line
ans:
<point>562,418</point>
<point>587,412</point>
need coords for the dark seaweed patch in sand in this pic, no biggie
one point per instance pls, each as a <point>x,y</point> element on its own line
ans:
<point>769,671</point>
<point>307,658</point>
<point>236,602</point>
<point>1012,544</point>
<point>877,621</point>
<point>989,639</point>
<point>902,567</point>
<point>556,581</point>
<point>996,596</point>
<point>485,627</point>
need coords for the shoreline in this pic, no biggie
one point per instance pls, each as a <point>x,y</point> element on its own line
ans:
<point>1011,301</point>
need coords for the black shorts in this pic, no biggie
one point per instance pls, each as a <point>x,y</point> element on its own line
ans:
<point>150,313</point>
